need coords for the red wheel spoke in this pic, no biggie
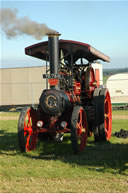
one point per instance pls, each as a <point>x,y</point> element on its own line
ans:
<point>78,126</point>
<point>107,116</point>
<point>25,133</point>
<point>79,123</point>
<point>82,129</point>
<point>29,121</point>
<point>27,142</point>
<point>28,129</point>
<point>106,100</point>
<point>81,117</point>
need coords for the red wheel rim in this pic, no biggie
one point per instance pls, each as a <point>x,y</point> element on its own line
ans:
<point>107,116</point>
<point>30,136</point>
<point>82,130</point>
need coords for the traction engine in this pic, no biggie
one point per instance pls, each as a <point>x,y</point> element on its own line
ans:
<point>73,101</point>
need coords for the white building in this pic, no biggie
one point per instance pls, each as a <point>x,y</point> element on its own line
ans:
<point>19,86</point>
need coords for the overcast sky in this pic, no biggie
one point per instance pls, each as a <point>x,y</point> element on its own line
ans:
<point>102,24</point>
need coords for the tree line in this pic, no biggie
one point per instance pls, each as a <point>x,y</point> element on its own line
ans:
<point>109,72</point>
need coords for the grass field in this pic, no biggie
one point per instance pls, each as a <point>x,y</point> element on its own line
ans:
<point>53,168</point>
<point>105,78</point>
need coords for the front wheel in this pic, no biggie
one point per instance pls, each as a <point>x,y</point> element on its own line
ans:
<point>27,132</point>
<point>79,129</point>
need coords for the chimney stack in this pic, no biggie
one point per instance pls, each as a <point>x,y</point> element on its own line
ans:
<point>53,45</point>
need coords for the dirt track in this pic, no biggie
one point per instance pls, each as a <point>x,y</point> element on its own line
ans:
<point>5,118</point>
<point>17,117</point>
<point>119,116</point>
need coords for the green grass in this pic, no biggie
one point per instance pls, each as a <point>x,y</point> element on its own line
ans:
<point>53,168</point>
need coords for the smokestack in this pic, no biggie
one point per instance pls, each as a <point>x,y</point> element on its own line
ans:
<point>53,44</point>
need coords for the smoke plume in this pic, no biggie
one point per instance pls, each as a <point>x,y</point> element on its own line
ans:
<point>13,26</point>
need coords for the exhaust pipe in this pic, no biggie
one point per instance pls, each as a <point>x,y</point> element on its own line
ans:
<point>53,46</point>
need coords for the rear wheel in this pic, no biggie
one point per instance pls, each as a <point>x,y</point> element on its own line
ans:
<point>103,114</point>
<point>79,129</point>
<point>27,132</point>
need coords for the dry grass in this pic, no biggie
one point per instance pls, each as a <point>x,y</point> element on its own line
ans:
<point>61,185</point>
<point>52,168</point>
<point>9,115</point>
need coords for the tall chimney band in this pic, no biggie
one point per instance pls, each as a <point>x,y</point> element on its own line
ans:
<point>53,45</point>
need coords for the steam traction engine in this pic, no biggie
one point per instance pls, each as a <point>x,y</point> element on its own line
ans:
<point>73,100</point>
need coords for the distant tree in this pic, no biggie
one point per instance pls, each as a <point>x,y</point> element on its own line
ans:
<point>109,72</point>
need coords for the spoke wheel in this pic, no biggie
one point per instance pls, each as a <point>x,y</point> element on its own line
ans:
<point>79,129</point>
<point>27,132</point>
<point>105,113</point>
<point>89,81</point>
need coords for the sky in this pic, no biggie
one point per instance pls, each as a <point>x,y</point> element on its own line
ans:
<point>102,24</point>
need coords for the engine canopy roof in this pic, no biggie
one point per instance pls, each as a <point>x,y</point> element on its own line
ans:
<point>78,49</point>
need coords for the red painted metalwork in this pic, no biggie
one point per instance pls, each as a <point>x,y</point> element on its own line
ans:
<point>90,82</point>
<point>30,133</point>
<point>77,88</point>
<point>44,130</point>
<point>97,77</point>
<point>65,130</point>
<point>108,116</point>
<point>53,82</point>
